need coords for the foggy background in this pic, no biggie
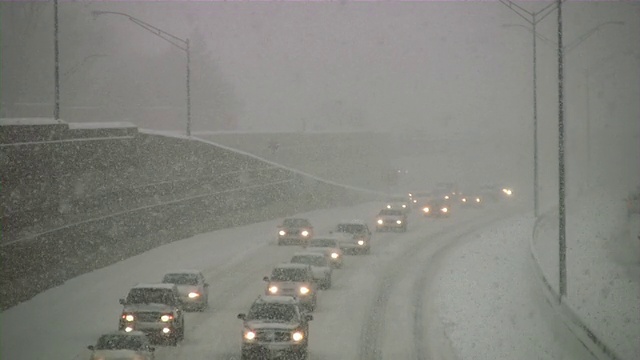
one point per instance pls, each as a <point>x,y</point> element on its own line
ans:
<point>441,71</point>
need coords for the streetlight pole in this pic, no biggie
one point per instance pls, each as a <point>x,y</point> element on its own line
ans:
<point>533,18</point>
<point>562,242</point>
<point>56,55</point>
<point>182,44</point>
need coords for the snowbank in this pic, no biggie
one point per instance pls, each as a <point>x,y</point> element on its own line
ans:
<point>603,288</point>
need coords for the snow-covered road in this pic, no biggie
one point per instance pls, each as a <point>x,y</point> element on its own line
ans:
<point>381,306</point>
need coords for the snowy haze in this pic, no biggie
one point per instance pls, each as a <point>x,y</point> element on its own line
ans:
<point>289,66</point>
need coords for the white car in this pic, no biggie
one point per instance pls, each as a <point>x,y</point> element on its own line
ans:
<point>320,266</point>
<point>391,219</point>
<point>120,345</point>
<point>329,245</point>
<point>293,280</point>
<point>355,236</point>
<point>194,291</point>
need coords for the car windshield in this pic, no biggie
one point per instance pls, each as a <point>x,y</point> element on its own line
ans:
<point>308,259</point>
<point>273,312</point>
<point>295,223</point>
<point>323,243</point>
<point>350,228</point>
<point>286,274</point>
<point>119,342</point>
<point>390,212</point>
<point>150,295</point>
<point>181,279</point>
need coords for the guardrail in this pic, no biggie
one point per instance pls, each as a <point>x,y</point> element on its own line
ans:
<point>570,318</point>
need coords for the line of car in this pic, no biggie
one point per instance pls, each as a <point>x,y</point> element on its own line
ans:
<point>277,323</point>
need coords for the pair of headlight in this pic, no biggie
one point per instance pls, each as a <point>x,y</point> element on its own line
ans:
<point>193,295</point>
<point>334,255</point>
<point>166,317</point>
<point>303,290</point>
<point>296,336</point>
<point>128,317</point>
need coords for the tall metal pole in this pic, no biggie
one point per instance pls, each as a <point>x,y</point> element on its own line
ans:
<point>561,166</point>
<point>56,53</point>
<point>535,124</point>
<point>188,87</point>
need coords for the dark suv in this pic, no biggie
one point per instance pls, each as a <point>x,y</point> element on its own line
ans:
<point>276,326</point>
<point>154,309</point>
<point>295,230</point>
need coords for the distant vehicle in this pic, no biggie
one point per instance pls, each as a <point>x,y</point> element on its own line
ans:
<point>293,280</point>
<point>436,208</point>
<point>275,327</point>
<point>295,230</point>
<point>415,198</point>
<point>154,309</point>
<point>320,266</point>
<point>405,206</point>
<point>122,345</point>
<point>495,192</point>
<point>356,237</point>
<point>391,219</point>
<point>446,191</point>
<point>471,200</point>
<point>330,245</point>
<point>194,291</point>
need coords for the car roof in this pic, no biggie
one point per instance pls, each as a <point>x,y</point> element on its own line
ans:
<point>184,271</point>
<point>353,222</point>
<point>326,237</point>
<point>277,299</point>
<point>154,286</point>
<point>308,253</point>
<point>291,266</point>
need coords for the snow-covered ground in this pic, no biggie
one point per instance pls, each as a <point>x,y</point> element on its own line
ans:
<point>446,289</point>
<point>603,267</point>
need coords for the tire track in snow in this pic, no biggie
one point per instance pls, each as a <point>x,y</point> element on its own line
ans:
<point>370,344</point>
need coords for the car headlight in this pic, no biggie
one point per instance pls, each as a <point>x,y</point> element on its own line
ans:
<point>282,233</point>
<point>193,295</point>
<point>360,242</point>
<point>464,199</point>
<point>398,222</point>
<point>446,197</point>
<point>444,210</point>
<point>297,336</point>
<point>128,317</point>
<point>166,317</point>
<point>426,210</point>
<point>404,206</point>
<point>128,329</point>
<point>166,330</point>
<point>507,191</point>
<point>380,222</point>
<point>477,200</point>
<point>334,255</point>
<point>249,335</point>
<point>273,289</point>
<point>304,233</point>
<point>304,290</point>
<point>388,206</point>
<point>415,201</point>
